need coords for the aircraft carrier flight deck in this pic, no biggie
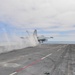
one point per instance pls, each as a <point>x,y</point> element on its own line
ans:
<point>44,59</point>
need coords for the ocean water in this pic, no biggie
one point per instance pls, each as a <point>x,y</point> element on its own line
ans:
<point>60,42</point>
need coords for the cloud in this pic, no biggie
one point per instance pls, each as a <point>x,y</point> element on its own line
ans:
<point>63,5</point>
<point>67,18</point>
<point>27,12</point>
<point>60,29</point>
<point>46,15</point>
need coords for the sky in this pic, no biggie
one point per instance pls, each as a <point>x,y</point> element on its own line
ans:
<point>50,17</point>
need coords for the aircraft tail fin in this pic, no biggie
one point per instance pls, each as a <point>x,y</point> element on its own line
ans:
<point>35,32</point>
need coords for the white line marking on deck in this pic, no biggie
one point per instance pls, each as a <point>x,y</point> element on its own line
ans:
<point>30,64</point>
<point>13,73</point>
<point>46,56</point>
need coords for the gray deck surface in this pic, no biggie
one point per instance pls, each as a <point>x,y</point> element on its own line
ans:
<point>12,61</point>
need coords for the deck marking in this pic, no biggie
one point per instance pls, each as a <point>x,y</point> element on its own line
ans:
<point>33,63</point>
<point>13,73</point>
<point>46,56</point>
